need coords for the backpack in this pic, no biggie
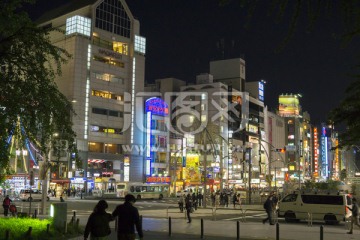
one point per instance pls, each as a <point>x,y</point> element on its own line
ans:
<point>12,208</point>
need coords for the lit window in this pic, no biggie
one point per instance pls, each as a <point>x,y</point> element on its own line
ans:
<point>78,24</point>
<point>140,44</point>
<point>121,48</point>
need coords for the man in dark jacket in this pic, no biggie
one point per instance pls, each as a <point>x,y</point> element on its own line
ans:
<point>269,208</point>
<point>128,217</point>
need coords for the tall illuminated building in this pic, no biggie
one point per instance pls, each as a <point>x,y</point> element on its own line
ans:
<point>101,78</point>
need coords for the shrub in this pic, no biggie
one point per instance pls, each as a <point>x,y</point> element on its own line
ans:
<point>19,228</point>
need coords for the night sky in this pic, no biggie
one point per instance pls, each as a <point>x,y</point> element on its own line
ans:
<point>183,36</point>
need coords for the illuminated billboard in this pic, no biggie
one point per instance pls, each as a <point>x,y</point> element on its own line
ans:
<point>289,105</point>
<point>157,106</point>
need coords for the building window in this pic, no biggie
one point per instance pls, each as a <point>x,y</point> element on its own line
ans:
<point>121,47</point>
<point>140,45</point>
<point>78,24</point>
<point>112,17</point>
<point>101,129</point>
<point>107,112</point>
<point>108,77</point>
<point>105,94</point>
<point>109,61</point>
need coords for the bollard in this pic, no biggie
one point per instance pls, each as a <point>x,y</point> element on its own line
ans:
<point>65,227</point>
<point>277,232</point>
<point>81,195</point>
<point>237,230</point>
<point>29,232</point>
<point>141,221</point>
<point>169,226</point>
<point>48,228</point>
<point>7,234</point>
<point>77,223</point>
<point>35,213</point>
<point>202,229</point>
<point>321,232</point>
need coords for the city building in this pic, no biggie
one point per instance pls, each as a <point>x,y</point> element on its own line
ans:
<point>102,78</point>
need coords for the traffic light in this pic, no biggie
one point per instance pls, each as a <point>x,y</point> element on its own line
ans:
<point>282,150</point>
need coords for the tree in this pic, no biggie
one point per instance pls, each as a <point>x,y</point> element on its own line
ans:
<point>29,64</point>
<point>348,112</point>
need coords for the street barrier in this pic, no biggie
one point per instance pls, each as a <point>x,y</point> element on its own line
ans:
<point>321,232</point>
<point>169,226</point>
<point>202,230</point>
<point>237,230</point>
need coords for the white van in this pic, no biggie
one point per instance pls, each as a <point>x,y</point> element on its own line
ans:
<point>35,195</point>
<point>331,208</point>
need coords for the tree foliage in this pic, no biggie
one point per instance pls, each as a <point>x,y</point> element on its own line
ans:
<point>29,63</point>
<point>348,112</point>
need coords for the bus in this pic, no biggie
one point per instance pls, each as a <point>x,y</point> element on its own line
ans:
<point>142,190</point>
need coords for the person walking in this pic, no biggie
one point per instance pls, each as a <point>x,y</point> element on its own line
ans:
<point>234,200</point>
<point>188,206</point>
<point>128,219</point>
<point>6,205</point>
<point>181,203</point>
<point>98,223</point>
<point>354,215</point>
<point>200,198</point>
<point>226,200</point>
<point>194,200</point>
<point>269,206</point>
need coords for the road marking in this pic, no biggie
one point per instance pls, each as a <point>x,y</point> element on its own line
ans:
<point>252,216</point>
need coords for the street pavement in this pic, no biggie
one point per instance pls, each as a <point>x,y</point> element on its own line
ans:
<point>156,227</point>
<point>219,224</point>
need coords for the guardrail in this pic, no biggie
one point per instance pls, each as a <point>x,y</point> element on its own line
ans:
<point>202,232</point>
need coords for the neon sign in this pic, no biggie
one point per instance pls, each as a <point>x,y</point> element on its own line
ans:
<point>157,106</point>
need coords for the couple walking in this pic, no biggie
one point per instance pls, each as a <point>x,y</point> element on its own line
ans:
<point>128,218</point>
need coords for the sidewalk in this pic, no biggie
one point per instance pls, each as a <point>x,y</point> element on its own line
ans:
<point>158,228</point>
<point>176,236</point>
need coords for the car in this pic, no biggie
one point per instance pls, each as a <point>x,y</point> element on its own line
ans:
<point>35,195</point>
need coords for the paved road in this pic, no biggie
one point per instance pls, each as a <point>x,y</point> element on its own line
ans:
<point>218,224</point>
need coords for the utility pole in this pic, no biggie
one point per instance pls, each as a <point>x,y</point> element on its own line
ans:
<point>45,180</point>
<point>205,172</point>
<point>248,150</point>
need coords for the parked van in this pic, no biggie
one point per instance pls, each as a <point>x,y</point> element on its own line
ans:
<point>35,195</point>
<point>331,208</point>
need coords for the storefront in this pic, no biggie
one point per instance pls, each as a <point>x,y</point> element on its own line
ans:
<point>60,186</point>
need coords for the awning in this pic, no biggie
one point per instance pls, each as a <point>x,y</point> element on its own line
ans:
<point>60,181</point>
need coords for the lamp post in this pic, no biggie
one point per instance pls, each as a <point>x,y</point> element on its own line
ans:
<point>248,152</point>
